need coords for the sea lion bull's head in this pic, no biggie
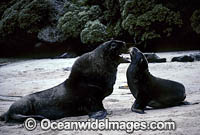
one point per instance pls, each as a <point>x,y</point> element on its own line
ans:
<point>112,49</point>
<point>138,58</point>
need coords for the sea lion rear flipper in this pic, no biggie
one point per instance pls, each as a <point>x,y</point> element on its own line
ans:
<point>3,117</point>
<point>98,115</point>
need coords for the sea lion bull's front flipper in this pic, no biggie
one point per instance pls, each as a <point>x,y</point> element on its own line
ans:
<point>98,115</point>
<point>97,110</point>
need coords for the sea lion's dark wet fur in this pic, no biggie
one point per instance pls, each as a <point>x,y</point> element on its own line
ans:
<point>148,89</point>
<point>91,80</point>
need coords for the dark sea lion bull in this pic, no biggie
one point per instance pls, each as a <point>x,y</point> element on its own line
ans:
<point>149,90</point>
<point>91,79</point>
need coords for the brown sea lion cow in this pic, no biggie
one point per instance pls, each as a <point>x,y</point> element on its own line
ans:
<point>149,90</point>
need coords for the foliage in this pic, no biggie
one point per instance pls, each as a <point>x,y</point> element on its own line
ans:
<point>195,21</point>
<point>73,21</point>
<point>94,32</point>
<point>154,23</point>
<point>146,22</point>
<point>25,15</point>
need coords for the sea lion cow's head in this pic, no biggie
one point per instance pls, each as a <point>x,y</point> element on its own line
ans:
<point>138,58</point>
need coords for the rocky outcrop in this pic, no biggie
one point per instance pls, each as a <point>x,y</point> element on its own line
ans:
<point>196,56</point>
<point>187,58</point>
<point>153,58</point>
<point>184,58</point>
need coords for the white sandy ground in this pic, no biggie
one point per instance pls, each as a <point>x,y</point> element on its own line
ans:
<point>25,77</point>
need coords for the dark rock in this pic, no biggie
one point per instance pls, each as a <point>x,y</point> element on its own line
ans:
<point>50,34</point>
<point>196,56</point>
<point>184,58</point>
<point>153,58</point>
<point>4,64</point>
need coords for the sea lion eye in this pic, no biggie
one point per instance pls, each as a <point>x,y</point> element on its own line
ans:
<point>113,45</point>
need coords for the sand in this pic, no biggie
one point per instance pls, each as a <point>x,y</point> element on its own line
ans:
<point>26,77</point>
